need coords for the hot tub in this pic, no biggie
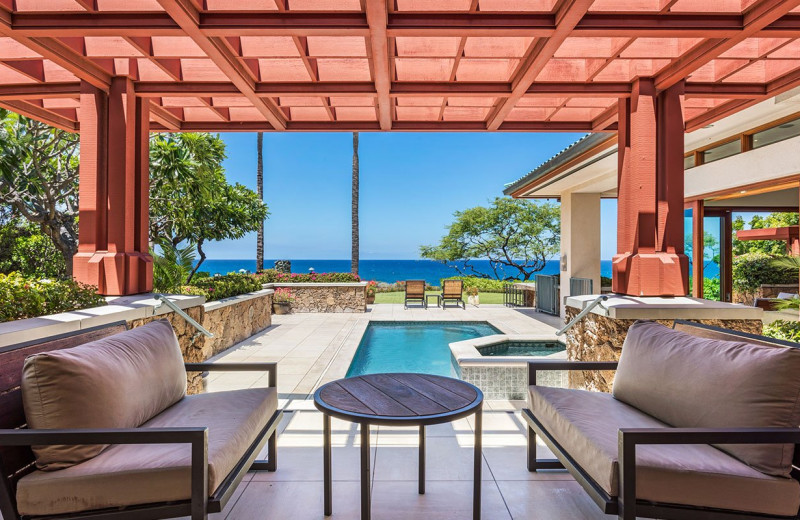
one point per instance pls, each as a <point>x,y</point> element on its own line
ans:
<point>498,364</point>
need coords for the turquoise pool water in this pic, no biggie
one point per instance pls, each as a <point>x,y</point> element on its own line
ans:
<point>421,347</point>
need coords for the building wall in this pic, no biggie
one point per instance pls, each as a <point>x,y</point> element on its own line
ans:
<point>580,239</point>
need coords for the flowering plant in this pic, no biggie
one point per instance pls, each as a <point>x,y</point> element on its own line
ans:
<point>472,291</point>
<point>283,295</point>
<point>371,287</point>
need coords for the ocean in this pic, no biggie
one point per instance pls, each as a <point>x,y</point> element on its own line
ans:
<point>389,271</point>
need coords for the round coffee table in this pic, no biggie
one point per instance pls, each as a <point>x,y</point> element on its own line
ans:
<point>397,400</point>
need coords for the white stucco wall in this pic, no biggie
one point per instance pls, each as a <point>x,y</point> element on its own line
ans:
<point>771,162</point>
<point>580,239</point>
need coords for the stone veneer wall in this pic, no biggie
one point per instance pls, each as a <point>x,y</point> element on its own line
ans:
<point>599,338</point>
<point>327,297</point>
<point>231,321</point>
<point>509,382</point>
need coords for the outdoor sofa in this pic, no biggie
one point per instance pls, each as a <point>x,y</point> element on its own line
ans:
<point>97,424</point>
<point>702,424</point>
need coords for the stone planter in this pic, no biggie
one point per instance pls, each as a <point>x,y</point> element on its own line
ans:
<point>325,297</point>
<point>474,300</point>
<point>370,299</point>
<point>281,308</point>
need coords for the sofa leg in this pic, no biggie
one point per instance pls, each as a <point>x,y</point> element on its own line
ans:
<point>531,449</point>
<point>272,452</point>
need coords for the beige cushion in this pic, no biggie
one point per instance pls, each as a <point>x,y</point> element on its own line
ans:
<point>119,381</point>
<point>693,382</point>
<point>126,475</point>
<point>586,425</point>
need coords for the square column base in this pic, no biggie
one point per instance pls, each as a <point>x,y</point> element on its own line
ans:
<point>650,274</point>
<point>115,274</point>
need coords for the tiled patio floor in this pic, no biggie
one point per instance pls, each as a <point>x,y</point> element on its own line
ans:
<point>314,348</point>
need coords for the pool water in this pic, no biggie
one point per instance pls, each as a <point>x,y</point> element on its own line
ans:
<point>522,348</point>
<point>420,347</point>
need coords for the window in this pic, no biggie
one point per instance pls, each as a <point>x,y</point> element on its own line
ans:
<point>776,133</point>
<point>722,151</point>
<point>688,162</point>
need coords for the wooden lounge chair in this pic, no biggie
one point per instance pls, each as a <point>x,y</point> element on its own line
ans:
<point>452,290</point>
<point>415,291</point>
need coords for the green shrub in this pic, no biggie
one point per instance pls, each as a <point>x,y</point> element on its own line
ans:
<point>273,276</point>
<point>26,250</point>
<point>751,270</point>
<point>220,287</point>
<point>26,297</point>
<point>783,329</point>
<point>605,281</point>
<point>482,284</point>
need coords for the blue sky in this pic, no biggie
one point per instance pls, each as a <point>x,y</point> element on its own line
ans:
<point>411,183</point>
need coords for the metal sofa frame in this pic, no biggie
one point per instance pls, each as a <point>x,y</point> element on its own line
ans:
<point>16,457</point>
<point>626,506</point>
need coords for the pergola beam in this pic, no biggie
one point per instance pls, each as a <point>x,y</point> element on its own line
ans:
<point>760,15</point>
<point>377,14</point>
<point>29,109</point>
<point>568,16</point>
<point>186,15</point>
<point>477,23</point>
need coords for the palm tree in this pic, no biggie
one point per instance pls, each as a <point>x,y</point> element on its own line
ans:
<point>260,183</point>
<point>354,208</point>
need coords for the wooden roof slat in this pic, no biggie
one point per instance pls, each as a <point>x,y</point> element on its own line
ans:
<point>185,14</point>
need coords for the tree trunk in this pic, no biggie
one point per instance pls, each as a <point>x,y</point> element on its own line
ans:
<point>260,183</point>
<point>202,259</point>
<point>354,209</point>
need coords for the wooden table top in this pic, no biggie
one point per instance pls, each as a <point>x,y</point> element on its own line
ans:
<point>398,398</point>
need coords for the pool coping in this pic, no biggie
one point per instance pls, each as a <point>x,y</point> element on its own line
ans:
<point>466,352</point>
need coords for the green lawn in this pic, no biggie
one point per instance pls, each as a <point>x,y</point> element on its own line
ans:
<point>397,297</point>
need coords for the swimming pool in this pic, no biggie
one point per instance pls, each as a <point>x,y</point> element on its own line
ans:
<point>421,347</point>
<point>523,348</point>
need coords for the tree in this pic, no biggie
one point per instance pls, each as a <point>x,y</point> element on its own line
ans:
<point>354,209</point>
<point>517,237</point>
<point>260,188</point>
<point>711,252</point>
<point>39,179</point>
<point>190,198</point>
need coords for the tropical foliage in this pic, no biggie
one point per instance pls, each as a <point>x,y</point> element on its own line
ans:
<point>172,267</point>
<point>190,198</point>
<point>783,329</point>
<point>518,237</point>
<point>39,179</point>
<point>751,270</point>
<point>23,297</point>
<point>24,249</point>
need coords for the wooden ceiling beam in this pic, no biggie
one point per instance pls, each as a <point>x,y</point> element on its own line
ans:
<point>567,17</point>
<point>186,15</point>
<point>34,111</point>
<point>377,16</point>
<point>165,118</point>
<point>760,15</point>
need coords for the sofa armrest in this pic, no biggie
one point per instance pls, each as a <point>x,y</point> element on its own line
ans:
<point>629,438</point>
<point>272,368</point>
<point>537,366</point>
<point>197,437</point>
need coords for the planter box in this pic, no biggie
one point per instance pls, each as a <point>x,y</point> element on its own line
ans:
<point>326,297</point>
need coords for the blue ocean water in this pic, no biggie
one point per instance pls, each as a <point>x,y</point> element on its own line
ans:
<point>391,271</point>
<point>419,347</point>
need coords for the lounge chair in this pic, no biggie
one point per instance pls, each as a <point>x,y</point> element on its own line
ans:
<point>415,291</point>
<point>452,290</point>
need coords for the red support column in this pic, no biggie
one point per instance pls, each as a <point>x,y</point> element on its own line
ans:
<point>650,258</point>
<point>698,243</point>
<point>113,253</point>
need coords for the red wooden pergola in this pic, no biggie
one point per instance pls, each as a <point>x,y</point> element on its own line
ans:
<point>115,70</point>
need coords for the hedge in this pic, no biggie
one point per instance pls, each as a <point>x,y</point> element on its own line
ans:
<point>273,276</point>
<point>27,297</point>
<point>220,287</point>
<point>783,329</point>
<point>751,270</point>
<point>483,284</point>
